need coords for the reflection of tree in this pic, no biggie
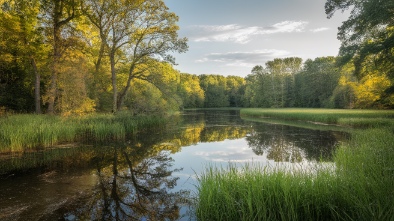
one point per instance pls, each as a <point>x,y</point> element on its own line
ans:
<point>283,151</point>
<point>259,142</point>
<point>134,187</point>
<point>208,127</point>
<point>289,144</point>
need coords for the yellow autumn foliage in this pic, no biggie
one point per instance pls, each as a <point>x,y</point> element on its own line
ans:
<point>370,89</point>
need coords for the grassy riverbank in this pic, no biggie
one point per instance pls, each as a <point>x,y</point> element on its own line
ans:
<point>359,187</point>
<point>29,132</point>
<point>356,118</point>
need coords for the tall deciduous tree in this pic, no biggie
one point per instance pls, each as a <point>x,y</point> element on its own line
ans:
<point>134,33</point>
<point>58,14</point>
<point>114,21</point>
<point>282,72</point>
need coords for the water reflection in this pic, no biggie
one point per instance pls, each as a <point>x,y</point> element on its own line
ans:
<point>283,143</point>
<point>126,182</point>
<point>142,179</point>
<point>131,187</point>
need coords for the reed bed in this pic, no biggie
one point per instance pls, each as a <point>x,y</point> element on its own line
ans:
<point>25,132</point>
<point>359,187</point>
<point>253,192</point>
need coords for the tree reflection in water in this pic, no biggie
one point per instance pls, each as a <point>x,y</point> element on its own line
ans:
<point>283,143</point>
<point>132,187</point>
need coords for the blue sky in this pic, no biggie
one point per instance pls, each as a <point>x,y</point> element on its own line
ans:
<point>230,37</point>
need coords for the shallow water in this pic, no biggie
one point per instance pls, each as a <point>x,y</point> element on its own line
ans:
<point>152,175</point>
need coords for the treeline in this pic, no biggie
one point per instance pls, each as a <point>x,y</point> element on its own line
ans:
<point>290,82</point>
<point>316,83</point>
<point>81,56</point>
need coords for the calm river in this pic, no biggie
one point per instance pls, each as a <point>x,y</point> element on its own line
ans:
<point>151,176</point>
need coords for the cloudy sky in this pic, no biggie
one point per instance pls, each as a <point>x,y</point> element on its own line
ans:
<point>230,37</point>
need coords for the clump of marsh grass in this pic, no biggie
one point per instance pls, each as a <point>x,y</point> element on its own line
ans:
<point>263,193</point>
<point>21,132</point>
<point>26,132</point>
<point>361,186</point>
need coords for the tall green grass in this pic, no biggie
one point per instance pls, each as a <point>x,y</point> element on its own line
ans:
<point>359,187</point>
<point>365,171</point>
<point>262,193</point>
<point>360,118</point>
<point>29,132</point>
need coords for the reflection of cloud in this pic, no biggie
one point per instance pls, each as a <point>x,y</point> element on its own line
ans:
<point>241,155</point>
<point>239,34</point>
<point>244,59</point>
<point>319,29</point>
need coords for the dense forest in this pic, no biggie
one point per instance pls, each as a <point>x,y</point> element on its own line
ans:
<point>74,57</point>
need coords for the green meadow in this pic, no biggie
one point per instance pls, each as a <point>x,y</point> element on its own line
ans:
<point>358,186</point>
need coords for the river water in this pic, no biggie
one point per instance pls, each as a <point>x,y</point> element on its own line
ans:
<point>153,174</point>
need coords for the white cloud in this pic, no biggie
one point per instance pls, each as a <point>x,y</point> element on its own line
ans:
<point>243,59</point>
<point>288,26</point>
<point>319,29</point>
<point>239,34</point>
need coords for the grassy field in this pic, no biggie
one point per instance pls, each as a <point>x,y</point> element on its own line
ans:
<point>26,132</point>
<point>359,187</point>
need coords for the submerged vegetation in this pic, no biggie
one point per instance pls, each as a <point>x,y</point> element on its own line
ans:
<point>31,132</point>
<point>359,187</point>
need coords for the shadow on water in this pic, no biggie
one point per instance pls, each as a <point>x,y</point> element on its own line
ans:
<point>139,179</point>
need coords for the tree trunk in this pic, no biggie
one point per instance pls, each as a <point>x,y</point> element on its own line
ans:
<point>56,56</point>
<point>37,85</point>
<point>122,95</point>
<point>113,77</point>
<point>57,14</point>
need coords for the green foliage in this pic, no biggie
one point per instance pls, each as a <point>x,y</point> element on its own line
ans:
<point>235,90</point>
<point>134,35</point>
<point>367,38</point>
<point>316,82</point>
<point>190,91</point>
<point>80,51</point>
<point>88,55</point>
<point>273,86</point>
<point>145,98</point>
<point>214,87</point>
<point>369,91</point>
<point>20,47</point>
